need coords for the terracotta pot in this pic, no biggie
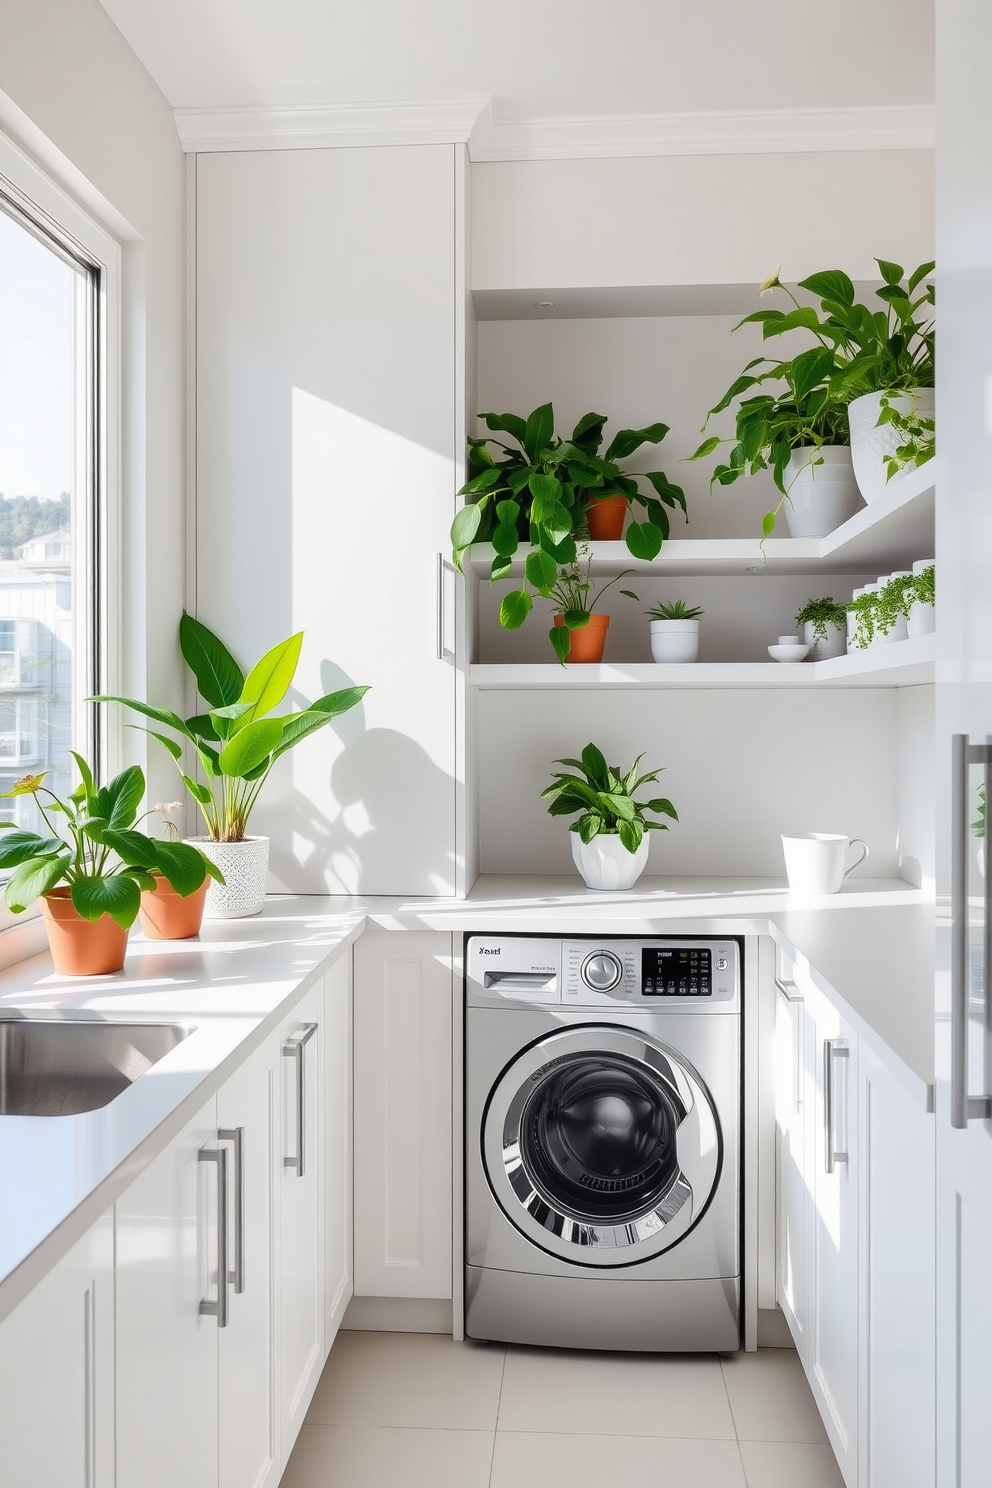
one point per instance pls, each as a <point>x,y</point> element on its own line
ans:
<point>81,947</point>
<point>166,915</point>
<point>586,644</point>
<point>606,516</point>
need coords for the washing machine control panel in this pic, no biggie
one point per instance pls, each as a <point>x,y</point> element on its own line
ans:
<point>649,972</point>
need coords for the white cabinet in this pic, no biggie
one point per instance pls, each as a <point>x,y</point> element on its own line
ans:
<point>403,1116</point>
<point>300,1205</point>
<point>791,1163</point>
<point>338,1164</point>
<point>167,1241</point>
<point>57,1373</point>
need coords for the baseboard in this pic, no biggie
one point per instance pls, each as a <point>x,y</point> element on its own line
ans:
<point>398,1315</point>
<point>773,1330</point>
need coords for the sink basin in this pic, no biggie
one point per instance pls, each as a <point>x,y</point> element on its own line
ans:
<point>54,1067</point>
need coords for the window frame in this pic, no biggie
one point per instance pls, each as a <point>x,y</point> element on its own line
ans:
<point>33,197</point>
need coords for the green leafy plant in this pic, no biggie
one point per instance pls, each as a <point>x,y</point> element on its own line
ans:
<point>604,796</point>
<point>236,743</point>
<point>978,827</point>
<point>94,849</point>
<point>674,609</point>
<point>820,613</point>
<point>575,598</point>
<point>878,610</point>
<point>924,586</point>
<point>918,431</point>
<point>536,490</point>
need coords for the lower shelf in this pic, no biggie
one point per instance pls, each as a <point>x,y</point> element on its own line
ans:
<point>895,664</point>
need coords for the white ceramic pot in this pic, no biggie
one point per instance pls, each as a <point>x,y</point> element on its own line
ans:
<point>834,645</point>
<point>605,863</point>
<point>922,619</point>
<point>244,866</point>
<point>823,492</point>
<point>674,640</point>
<point>871,446</point>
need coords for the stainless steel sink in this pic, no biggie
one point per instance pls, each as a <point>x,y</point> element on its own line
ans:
<point>52,1067</point>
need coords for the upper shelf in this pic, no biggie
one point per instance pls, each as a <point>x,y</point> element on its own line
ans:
<point>897,528</point>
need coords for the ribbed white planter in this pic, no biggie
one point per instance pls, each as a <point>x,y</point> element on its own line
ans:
<point>834,645</point>
<point>823,492</point>
<point>244,866</point>
<point>605,863</point>
<point>674,640</point>
<point>871,446</point>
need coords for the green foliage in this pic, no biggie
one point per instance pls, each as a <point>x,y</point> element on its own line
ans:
<point>674,609</point>
<point>536,491</point>
<point>820,613</point>
<point>575,598</point>
<point>93,848</point>
<point>604,795</point>
<point>918,431</point>
<point>235,744</point>
<point>25,517</point>
<point>878,611</point>
<point>859,350</point>
<point>978,827</point>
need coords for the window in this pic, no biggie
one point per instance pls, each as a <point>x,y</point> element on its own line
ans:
<point>52,475</point>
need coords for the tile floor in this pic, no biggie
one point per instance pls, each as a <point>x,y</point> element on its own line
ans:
<point>419,1410</point>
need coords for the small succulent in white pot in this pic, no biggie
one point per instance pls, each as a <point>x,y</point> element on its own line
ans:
<point>674,631</point>
<point>824,623</point>
<point>609,840</point>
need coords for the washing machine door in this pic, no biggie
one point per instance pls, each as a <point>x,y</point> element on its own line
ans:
<point>601,1145</point>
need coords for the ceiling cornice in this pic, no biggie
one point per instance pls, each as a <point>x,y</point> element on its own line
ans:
<point>490,138</point>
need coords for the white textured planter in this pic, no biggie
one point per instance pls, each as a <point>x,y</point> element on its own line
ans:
<point>834,645</point>
<point>922,619</point>
<point>674,640</point>
<point>605,863</point>
<point>244,866</point>
<point>871,446</point>
<point>821,496</point>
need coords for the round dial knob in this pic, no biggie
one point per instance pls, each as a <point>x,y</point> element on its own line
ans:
<point>601,971</point>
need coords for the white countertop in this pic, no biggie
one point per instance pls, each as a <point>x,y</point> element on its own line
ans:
<point>870,946</point>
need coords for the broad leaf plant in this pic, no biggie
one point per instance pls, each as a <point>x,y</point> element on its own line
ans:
<point>604,795</point>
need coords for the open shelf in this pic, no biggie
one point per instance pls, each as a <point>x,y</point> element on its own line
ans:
<point>896,664</point>
<point>895,530</point>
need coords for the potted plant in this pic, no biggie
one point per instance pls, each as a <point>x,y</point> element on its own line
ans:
<point>237,745</point>
<point>579,632</point>
<point>169,913</point>
<point>824,623</point>
<point>537,491</point>
<point>922,597</point>
<point>880,608</point>
<point>90,871</point>
<point>674,631</point>
<point>978,827</point>
<point>883,364</point>
<point>609,840</point>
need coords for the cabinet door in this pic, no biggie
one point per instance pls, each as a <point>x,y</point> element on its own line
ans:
<point>248,1450</point>
<point>898,1383</point>
<point>57,1373</point>
<point>833,1321</point>
<point>167,1264</point>
<point>791,1165</point>
<point>403,1158</point>
<point>300,1182</point>
<point>338,1166</point>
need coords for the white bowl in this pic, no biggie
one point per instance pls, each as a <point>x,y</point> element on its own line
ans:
<point>788,653</point>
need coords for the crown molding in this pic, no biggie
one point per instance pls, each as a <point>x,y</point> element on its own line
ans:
<point>328,126</point>
<point>476,123</point>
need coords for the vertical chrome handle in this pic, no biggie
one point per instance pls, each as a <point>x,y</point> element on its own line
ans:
<point>218,1309</point>
<point>963,1107</point>
<point>787,987</point>
<point>295,1049</point>
<point>444,652</point>
<point>833,1049</point>
<point>236,1134</point>
<point>89,1385</point>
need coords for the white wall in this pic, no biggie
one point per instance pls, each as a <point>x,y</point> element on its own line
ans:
<point>915,766</point>
<point>713,219</point>
<point>77,99</point>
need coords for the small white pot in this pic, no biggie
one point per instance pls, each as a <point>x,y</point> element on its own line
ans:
<point>605,863</point>
<point>871,446</point>
<point>244,866</point>
<point>834,645</point>
<point>922,619</point>
<point>823,493</point>
<point>674,640</point>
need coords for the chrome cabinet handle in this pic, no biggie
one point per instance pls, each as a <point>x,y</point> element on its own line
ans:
<point>208,1308</point>
<point>89,1385</point>
<point>788,990</point>
<point>833,1049</point>
<point>794,999</point>
<point>444,652</point>
<point>965,1108</point>
<point>236,1134</point>
<point>295,1049</point>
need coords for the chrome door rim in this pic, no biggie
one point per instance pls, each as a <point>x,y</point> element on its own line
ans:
<point>547,1222</point>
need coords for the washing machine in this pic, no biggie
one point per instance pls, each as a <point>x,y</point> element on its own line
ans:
<point>602,1142</point>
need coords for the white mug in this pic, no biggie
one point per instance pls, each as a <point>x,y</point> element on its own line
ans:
<point>816,862</point>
